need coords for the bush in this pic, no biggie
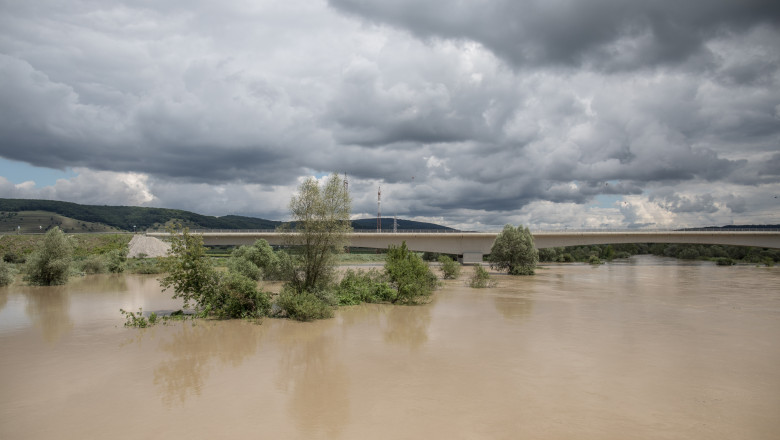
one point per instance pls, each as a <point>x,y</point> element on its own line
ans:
<point>430,256</point>
<point>411,277</point>
<point>145,266</point>
<point>303,306</point>
<point>94,264</point>
<point>244,267</point>
<point>116,260</point>
<point>724,261</point>
<point>238,297</point>
<point>359,287</point>
<point>7,274</point>
<point>50,263</point>
<point>594,260</point>
<point>480,279</point>
<point>450,268</point>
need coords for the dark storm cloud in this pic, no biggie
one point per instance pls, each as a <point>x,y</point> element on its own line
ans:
<point>474,112</point>
<point>605,34</point>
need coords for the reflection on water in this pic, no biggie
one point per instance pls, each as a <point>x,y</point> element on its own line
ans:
<point>49,310</point>
<point>646,347</point>
<point>406,325</point>
<point>312,373</point>
<point>196,348</point>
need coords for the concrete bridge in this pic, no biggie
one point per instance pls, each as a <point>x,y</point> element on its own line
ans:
<point>471,246</point>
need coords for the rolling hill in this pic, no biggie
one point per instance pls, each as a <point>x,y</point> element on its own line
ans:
<point>31,215</point>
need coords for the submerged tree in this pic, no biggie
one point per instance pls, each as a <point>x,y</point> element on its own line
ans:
<point>319,228</point>
<point>50,263</point>
<point>514,250</point>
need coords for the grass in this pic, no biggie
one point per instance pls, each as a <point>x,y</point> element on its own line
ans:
<point>84,245</point>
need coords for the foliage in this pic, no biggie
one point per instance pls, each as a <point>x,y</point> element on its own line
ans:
<point>303,306</point>
<point>94,264</point>
<point>190,272</point>
<point>594,260</point>
<point>238,297</point>
<point>144,266</point>
<point>430,256</point>
<point>12,257</point>
<point>724,261</point>
<point>245,267</point>
<point>193,278</point>
<point>481,278</point>
<point>449,267</point>
<point>116,260</point>
<point>258,261</point>
<point>137,319</point>
<point>321,223</point>
<point>50,263</point>
<point>364,286</point>
<point>410,275</point>
<point>513,250</point>
<point>7,273</point>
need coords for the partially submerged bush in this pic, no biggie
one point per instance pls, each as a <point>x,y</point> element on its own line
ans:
<point>480,279</point>
<point>303,306</point>
<point>237,296</point>
<point>358,287</point>
<point>725,261</point>
<point>245,267</point>
<point>449,268</point>
<point>50,263</point>
<point>411,276</point>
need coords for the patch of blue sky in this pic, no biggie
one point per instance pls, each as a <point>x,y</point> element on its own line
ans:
<point>18,172</point>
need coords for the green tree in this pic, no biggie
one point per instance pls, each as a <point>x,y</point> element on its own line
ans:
<point>50,263</point>
<point>410,275</point>
<point>514,250</point>
<point>319,228</point>
<point>189,271</point>
<point>6,273</point>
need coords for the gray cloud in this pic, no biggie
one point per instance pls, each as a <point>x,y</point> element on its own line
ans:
<point>605,34</point>
<point>488,113</point>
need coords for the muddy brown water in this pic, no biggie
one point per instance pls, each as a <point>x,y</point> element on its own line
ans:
<point>648,349</point>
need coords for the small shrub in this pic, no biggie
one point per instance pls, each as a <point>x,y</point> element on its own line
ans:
<point>480,279</point>
<point>116,260</point>
<point>412,278</point>
<point>238,297</point>
<point>430,256</point>
<point>303,306</point>
<point>7,273</point>
<point>723,261</point>
<point>94,264</point>
<point>594,260</point>
<point>359,287</point>
<point>450,269</point>
<point>136,319</point>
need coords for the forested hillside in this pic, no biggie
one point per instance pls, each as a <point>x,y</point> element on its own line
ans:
<point>30,215</point>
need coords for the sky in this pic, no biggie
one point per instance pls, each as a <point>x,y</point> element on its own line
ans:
<point>474,114</point>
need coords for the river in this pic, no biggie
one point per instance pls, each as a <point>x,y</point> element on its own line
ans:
<point>648,348</point>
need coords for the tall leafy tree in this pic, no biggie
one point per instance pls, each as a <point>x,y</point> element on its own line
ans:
<point>319,228</point>
<point>514,250</point>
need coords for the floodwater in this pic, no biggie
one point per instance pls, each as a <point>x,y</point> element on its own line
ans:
<point>646,349</point>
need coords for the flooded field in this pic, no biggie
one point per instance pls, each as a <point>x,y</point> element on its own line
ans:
<point>651,348</point>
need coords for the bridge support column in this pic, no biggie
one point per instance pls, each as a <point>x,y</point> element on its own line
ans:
<point>472,258</point>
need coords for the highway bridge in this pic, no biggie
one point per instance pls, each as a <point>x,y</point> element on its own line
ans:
<point>471,246</point>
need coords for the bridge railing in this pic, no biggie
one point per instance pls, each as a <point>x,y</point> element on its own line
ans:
<point>455,231</point>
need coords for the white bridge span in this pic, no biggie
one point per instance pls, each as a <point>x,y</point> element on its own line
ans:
<point>471,246</point>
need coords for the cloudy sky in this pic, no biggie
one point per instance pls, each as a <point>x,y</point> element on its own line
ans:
<point>565,113</point>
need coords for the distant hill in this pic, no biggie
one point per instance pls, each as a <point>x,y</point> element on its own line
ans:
<point>387,225</point>
<point>32,215</point>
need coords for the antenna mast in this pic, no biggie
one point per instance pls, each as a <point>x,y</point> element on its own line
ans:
<point>379,210</point>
